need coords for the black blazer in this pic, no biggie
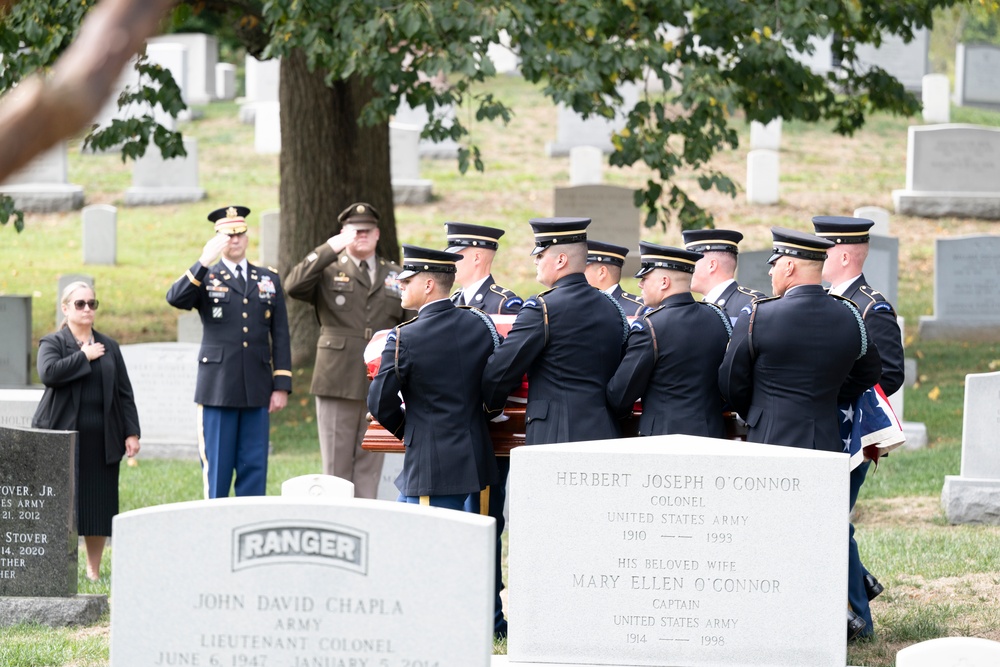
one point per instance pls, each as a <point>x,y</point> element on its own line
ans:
<point>62,366</point>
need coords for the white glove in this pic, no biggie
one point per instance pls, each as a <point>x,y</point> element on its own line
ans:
<point>340,241</point>
<point>213,249</point>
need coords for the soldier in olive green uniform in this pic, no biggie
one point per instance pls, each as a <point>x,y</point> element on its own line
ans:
<point>355,294</point>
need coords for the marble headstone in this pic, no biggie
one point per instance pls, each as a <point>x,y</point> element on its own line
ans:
<point>614,215</point>
<point>951,170</point>
<point>950,652</point>
<point>38,540</point>
<point>973,496</point>
<point>819,59</point>
<point>404,165</point>
<point>966,290</point>
<point>158,181</point>
<point>100,234</point>
<point>267,128</point>
<point>225,81</point>
<point>392,465</point>
<point>62,282</point>
<point>270,237</point>
<point>189,328</point>
<point>690,551</point>
<point>173,57</point>
<point>766,136</point>
<point>882,266</point>
<point>574,130</point>
<point>876,214</point>
<point>977,75</point>
<point>763,169</point>
<point>288,582</point>
<point>317,486</point>
<point>17,406</point>
<point>505,59</point>
<point>935,98</point>
<point>586,165</point>
<point>907,61</point>
<point>202,56</point>
<point>163,378</point>
<point>447,149</point>
<point>15,332</point>
<point>42,186</point>
<point>261,81</point>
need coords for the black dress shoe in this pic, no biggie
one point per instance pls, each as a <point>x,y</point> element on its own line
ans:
<point>872,587</point>
<point>855,625</point>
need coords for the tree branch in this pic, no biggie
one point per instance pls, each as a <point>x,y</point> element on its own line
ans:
<point>40,112</point>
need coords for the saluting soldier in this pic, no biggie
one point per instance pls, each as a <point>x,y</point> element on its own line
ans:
<point>354,294</point>
<point>843,269</point>
<point>569,340</point>
<point>715,273</point>
<point>674,351</point>
<point>449,454</point>
<point>478,244</point>
<point>794,356</point>
<point>245,360</point>
<point>604,271</point>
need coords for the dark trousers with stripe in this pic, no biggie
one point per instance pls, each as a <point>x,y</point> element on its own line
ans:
<point>497,498</point>
<point>857,596</point>
<point>234,441</point>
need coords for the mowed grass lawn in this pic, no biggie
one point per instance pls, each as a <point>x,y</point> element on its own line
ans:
<point>940,579</point>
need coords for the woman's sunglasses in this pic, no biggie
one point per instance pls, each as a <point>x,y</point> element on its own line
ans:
<point>80,303</point>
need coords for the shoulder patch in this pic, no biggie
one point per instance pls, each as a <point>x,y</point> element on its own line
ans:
<point>883,305</point>
<point>530,303</point>
<point>514,302</point>
<point>637,325</point>
<point>391,337</point>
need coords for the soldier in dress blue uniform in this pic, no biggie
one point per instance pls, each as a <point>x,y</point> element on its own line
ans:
<point>604,271</point>
<point>674,351</point>
<point>843,269</point>
<point>245,360</point>
<point>796,355</point>
<point>799,353</point>
<point>449,454</point>
<point>569,340</point>
<point>478,245</point>
<point>714,275</point>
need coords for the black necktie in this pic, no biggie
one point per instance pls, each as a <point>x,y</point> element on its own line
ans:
<point>363,265</point>
<point>240,280</point>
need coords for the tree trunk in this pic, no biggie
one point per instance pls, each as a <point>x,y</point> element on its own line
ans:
<point>328,162</point>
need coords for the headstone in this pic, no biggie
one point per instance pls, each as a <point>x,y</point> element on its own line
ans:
<point>163,378</point>
<point>225,81</point>
<point>973,496</point>
<point>977,75</point>
<point>270,237</point>
<point>446,149</point>
<point>289,582</point>
<point>189,328</point>
<point>62,282</point>
<point>173,57</point>
<point>38,543</point>
<point>100,234</point>
<point>42,186</point>
<point>17,406</point>
<point>951,170</point>
<point>876,214</point>
<point>950,652</point>
<point>613,213</point>
<point>404,165</point>
<point>202,56</point>
<point>586,165</point>
<point>766,136</point>
<point>762,177</point>
<point>267,128</point>
<point>752,270</point>
<point>820,60</point>
<point>698,552</point>
<point>392,465</point>
<point>262,80</point>
<point>907,61</point>
<point>317,486</point>
<point>966,290</point>
<point>505,59</point>
<point>128,78</point>
<point>15,332</point>
<point>157,181</point>
<point>573,130</point>
<point>936,98</point>
<point>882,266</point>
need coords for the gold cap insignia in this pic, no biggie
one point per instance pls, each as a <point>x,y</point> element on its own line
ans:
<point>359,209</point>
<point>231,212</point>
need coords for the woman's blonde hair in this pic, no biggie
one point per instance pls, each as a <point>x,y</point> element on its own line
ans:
<point>68,292</point>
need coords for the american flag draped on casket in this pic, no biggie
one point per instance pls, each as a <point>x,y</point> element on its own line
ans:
<point>869,427</point>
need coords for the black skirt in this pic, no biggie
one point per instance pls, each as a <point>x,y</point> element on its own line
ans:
<point>96,480</point>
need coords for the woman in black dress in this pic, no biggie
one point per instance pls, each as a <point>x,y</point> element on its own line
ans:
<point>87,390</point>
